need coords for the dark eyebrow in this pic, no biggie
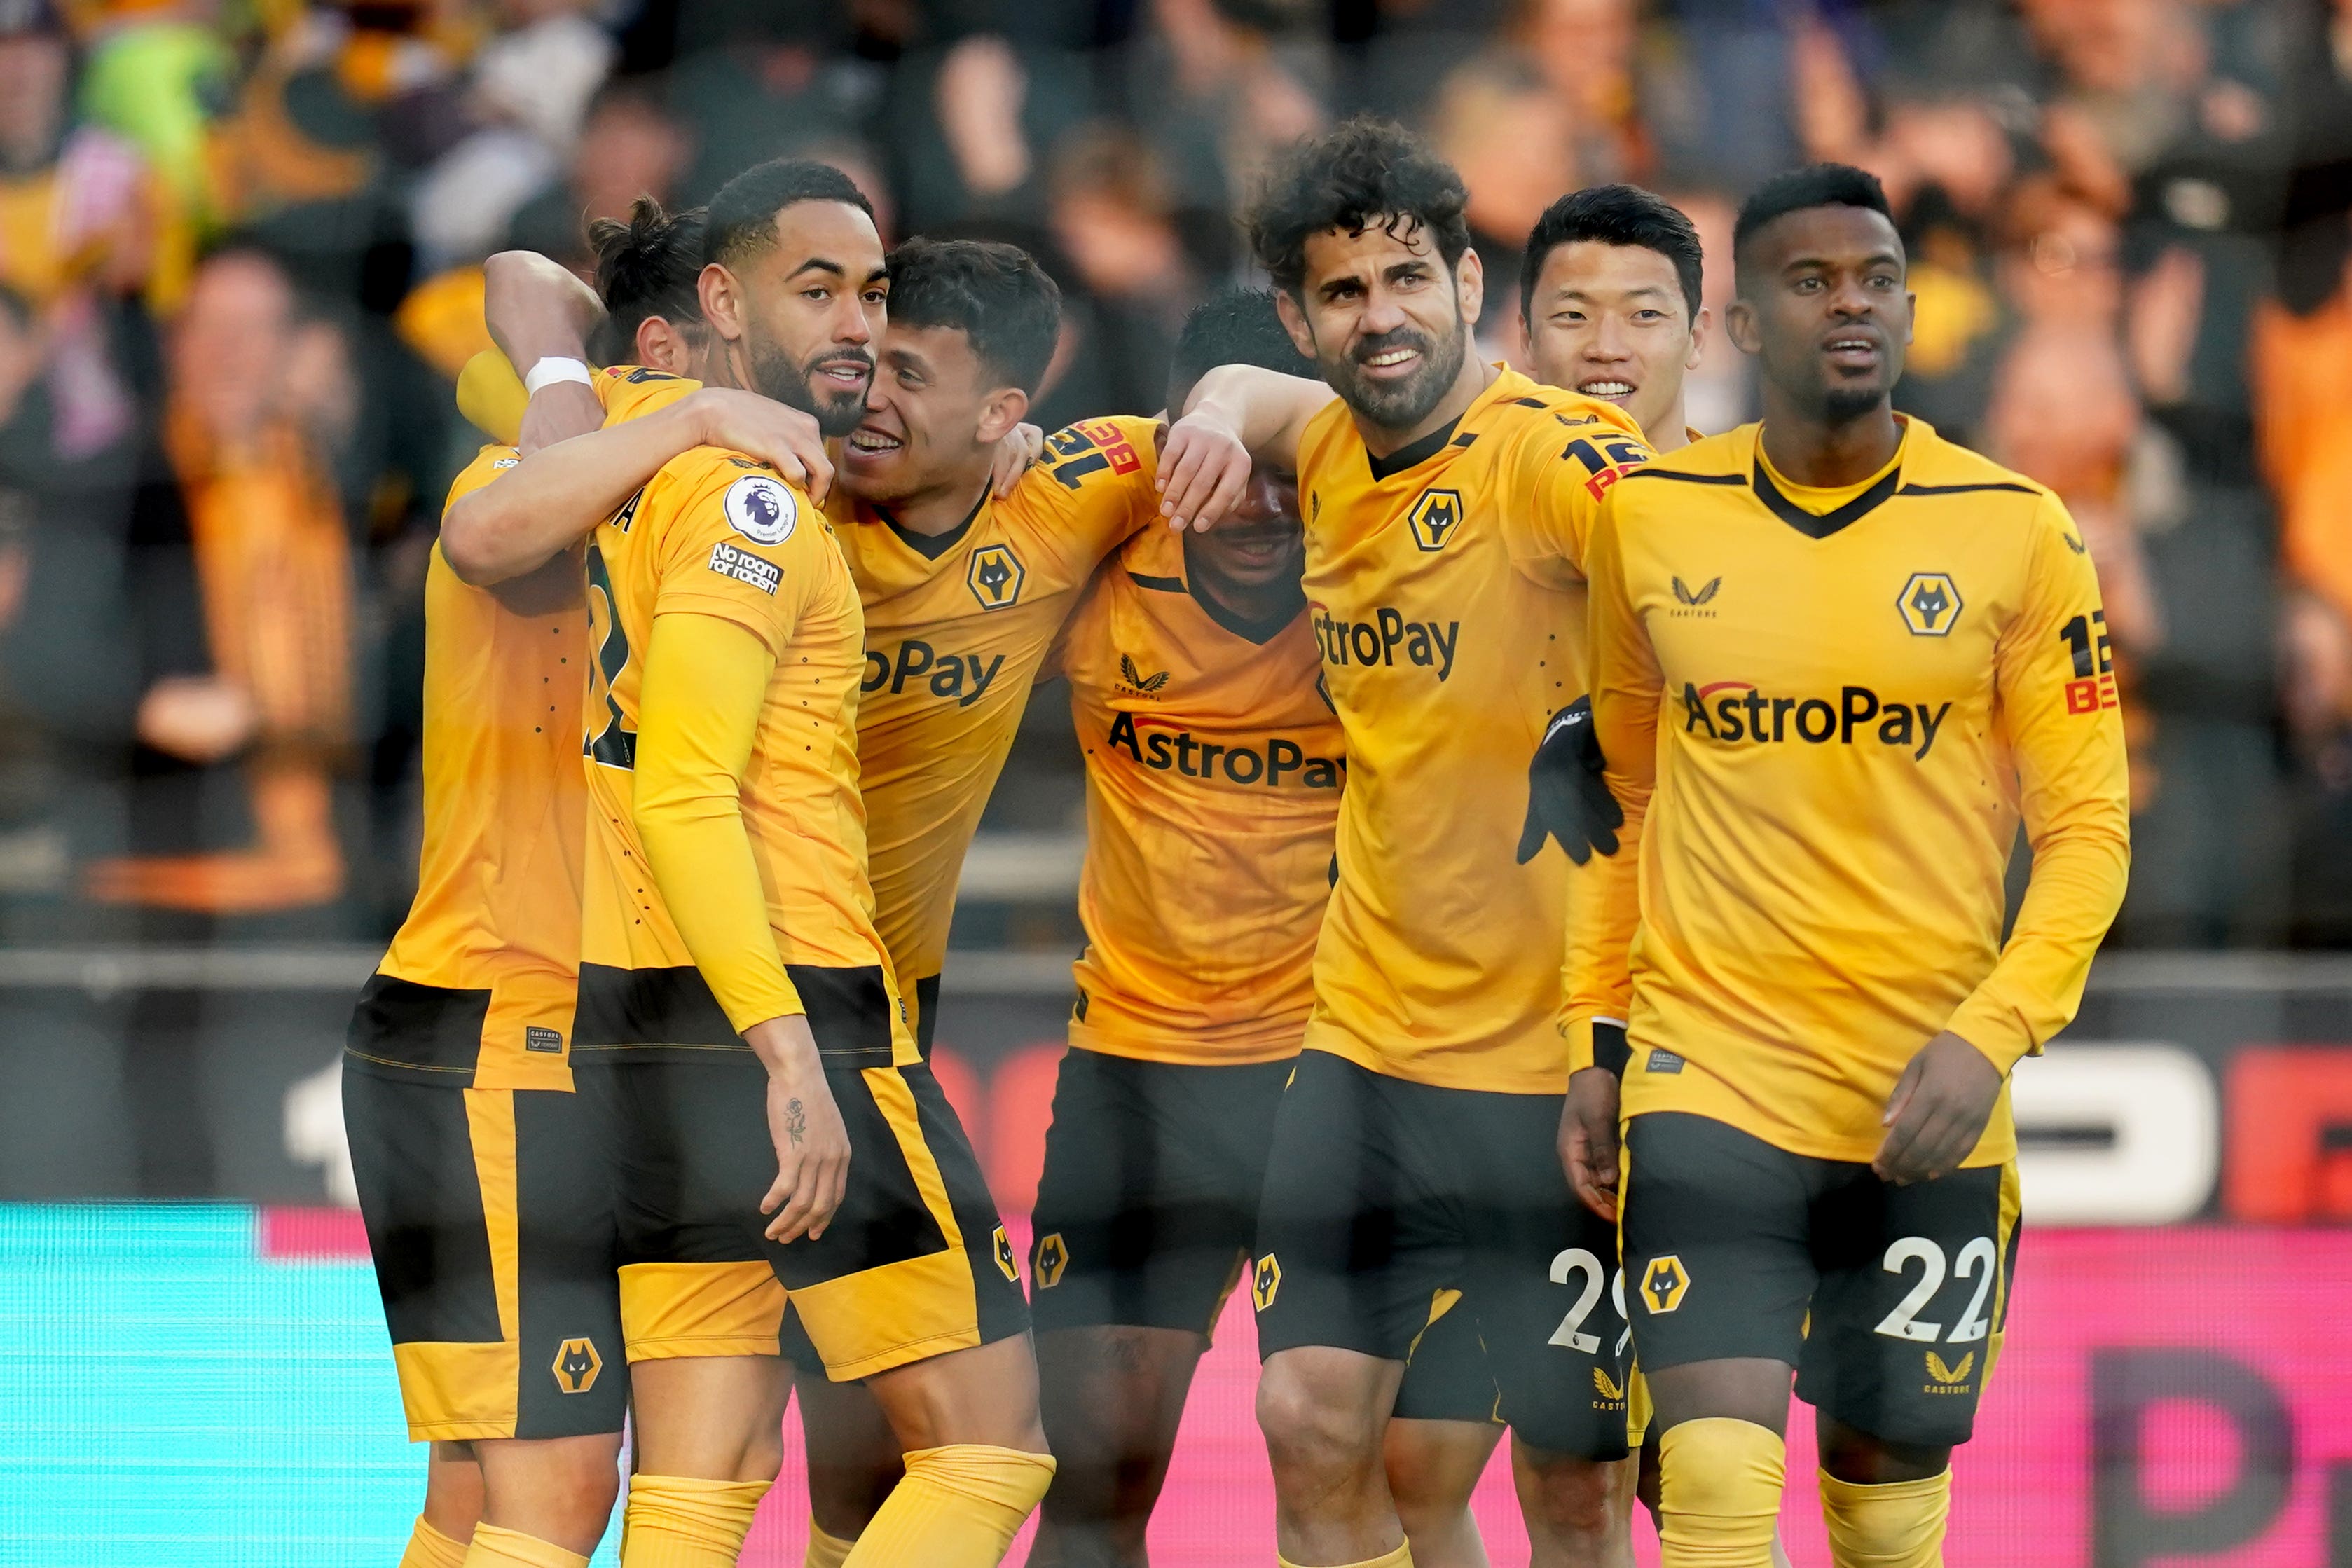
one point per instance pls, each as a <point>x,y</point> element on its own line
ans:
<point>1577,292</point>
<point>1408,269</point>
<point>1875,259</point>
<point>819,264</point>
<point>908,358</point>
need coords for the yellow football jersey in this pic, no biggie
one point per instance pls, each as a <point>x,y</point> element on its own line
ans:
<point>1214,766</point>
<point>956,627</point>
<point>498,883</point>
<point>718,535</point>
<point>1846,708</point>
<point>498,893</point>
<point>1444,589</point>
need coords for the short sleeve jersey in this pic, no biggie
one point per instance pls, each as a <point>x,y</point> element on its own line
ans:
<point>1214,767</point>
<point>715,534</point>
<point>1444,588</point>
<point>956,627</point>
<point>1853,711</point>
<point>498,887</point>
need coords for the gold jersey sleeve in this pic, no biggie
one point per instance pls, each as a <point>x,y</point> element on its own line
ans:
<point>745,794</point>
<point>633,391</point>
<point>1446,601</point>
<point>1826,729</point>
<point>1215,769</point>
<point>957,628</point>
<point>491,396</point>
<point>498,895</point>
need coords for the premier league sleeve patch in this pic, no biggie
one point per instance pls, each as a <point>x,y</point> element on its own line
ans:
<point>762,509</point>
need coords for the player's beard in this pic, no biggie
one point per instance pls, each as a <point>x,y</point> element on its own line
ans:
<point>775,373</point>
<point>1401,405</point>
<point>1845,404</point>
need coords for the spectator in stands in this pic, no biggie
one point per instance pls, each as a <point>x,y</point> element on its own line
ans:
<point>1113,216</point>
<point>1218,87</point>
<point>1587,51</point>
<point>761,80</point>
<point>241,581</point>
<point>526,94</point>
<point>628,147</point>
<point>1513,136</point>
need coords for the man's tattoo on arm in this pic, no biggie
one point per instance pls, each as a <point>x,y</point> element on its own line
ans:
<point>795,1120</point>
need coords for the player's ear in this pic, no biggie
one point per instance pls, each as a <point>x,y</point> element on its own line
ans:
<point>723,305</point>
<point>1294,321</point>
<point>1470,285</point>
<point>1006,407</point>
<point>1740,326</point>
<point>662,346</point>
<point>1706,318</point>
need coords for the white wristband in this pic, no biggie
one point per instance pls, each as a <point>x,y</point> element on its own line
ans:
<point>551,370</point>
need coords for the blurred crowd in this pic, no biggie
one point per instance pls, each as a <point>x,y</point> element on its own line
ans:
<point>239,265</point>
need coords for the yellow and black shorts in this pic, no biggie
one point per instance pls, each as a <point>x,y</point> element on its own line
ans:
<point>489,1216</point>
<point>915,1263</point>
<point>1889,1300</point>
<point>1390,1205</point>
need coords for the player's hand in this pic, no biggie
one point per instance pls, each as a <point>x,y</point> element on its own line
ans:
<point>803,1122</point>
<point>1937,1111</point>
<point>558,412</point>
<point>1567,797</point>
<point>1015,455</point>
<point>198,719</point>
<point>1204,470</point>
<point>783,437</point>
<point>1587,1139</point>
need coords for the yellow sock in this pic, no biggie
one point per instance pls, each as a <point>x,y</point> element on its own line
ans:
<point>1896,1525</point>
<point>428,1548</point>
<point>1401,1558</point>
<point>1718,1494</point>
<point>678,1521</point>
<point>826,1551</point>
<point>496,1548</point>
<point>957,1507</point>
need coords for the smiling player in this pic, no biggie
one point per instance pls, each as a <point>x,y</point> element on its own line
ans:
<point>1447,504</point>
<point>964,591</point>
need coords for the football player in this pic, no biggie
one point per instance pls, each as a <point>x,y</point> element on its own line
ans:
<point>480,1181</point>
<point>1837,662</point>
<point>963,592</point>
<point>1447,504</point>
<point>913,1289</point>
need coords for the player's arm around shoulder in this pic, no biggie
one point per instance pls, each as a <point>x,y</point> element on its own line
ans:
<point>1239,415</point>
<point>546,502</point>
<point>1092,488</point>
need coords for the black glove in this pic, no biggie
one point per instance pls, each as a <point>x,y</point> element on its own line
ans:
<point>1567,797</point>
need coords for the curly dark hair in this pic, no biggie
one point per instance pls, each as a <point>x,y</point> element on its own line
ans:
<point>1363,174</point>
<point>646,265</point>
<point>993,293</point>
